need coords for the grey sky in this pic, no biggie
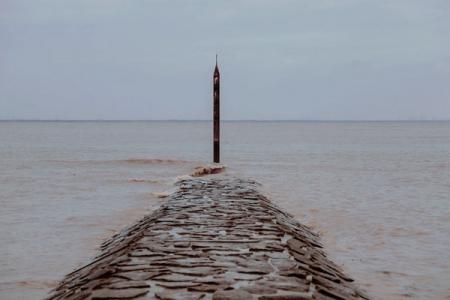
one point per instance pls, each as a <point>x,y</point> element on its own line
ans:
<point>136,59</point>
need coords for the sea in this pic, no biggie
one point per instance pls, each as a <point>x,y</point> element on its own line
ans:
<point>377,192</point>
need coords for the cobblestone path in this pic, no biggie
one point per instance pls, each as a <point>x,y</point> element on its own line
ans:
<point>213,239</point>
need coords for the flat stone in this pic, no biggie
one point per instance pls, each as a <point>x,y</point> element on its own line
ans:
<point>138,275</point>
<point>196,271</point>
<point>177,285</point>
<point>144,253</point>
<point>258,267</point>
<point>242,276</point>
<point>173,277</point>
<point>178,295</point>
<point>128,284</point>
<point>133,268</point>
<point>118,294</point>
<point>260,289</point>
<point>238,294</point>
<point>208,287</point>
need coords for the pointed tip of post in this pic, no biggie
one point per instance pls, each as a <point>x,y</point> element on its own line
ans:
<point>216,69</point>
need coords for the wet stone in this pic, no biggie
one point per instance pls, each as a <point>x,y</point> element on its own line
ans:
<point>178,285</point>
<point>174,277</point>
<point>209,288</point>
<point>260,267</point>
<point>178,295</point>
<point>260,288</point>
<point>137,276</point>
<point>239,294</point>
<point>214,238</point>
<point>128,284</point>
<point>199,271</point>
<point>131,293</point>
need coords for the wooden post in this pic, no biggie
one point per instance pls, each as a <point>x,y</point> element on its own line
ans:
<point>216,114</point>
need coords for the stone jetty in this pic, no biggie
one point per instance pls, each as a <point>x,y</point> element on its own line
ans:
<point>215,238</point>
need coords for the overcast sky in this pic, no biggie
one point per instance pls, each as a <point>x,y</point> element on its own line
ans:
<point>280,59</point>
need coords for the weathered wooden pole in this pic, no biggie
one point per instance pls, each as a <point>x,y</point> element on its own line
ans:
<point>216,114</point>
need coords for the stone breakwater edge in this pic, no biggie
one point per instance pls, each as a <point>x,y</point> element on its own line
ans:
<point>214,238</point>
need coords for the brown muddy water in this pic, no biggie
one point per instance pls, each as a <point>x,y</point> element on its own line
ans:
<point>378,192</point>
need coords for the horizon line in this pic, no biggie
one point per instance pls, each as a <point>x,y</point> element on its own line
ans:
<point>226,120</point>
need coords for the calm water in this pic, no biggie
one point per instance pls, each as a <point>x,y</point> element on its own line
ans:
<point>379,193</point>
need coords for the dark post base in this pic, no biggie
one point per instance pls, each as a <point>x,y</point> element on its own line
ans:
<point>216,152</point>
